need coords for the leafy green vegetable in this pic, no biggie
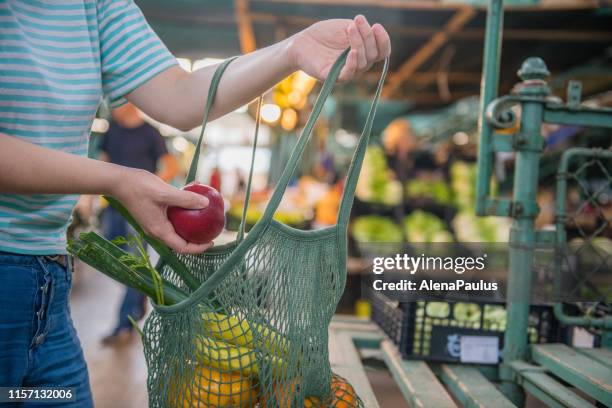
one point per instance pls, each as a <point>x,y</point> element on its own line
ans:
<point>375,183</point>
<point>164,252</point>
<point>424,227</point>
<point>124,267</point>
<point>374,228</point>
<point>436,190</point>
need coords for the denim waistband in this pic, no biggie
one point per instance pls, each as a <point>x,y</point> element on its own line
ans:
<point>10,258</point>
<point>17,259</point>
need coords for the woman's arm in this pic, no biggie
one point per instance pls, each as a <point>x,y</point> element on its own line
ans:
<point>177,97</point>
<point>26,168</point>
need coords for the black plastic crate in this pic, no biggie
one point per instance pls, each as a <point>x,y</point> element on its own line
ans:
<point>436,331</point>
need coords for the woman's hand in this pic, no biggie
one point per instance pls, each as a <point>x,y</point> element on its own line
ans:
<point>147,198</point>
<point>315,49</point>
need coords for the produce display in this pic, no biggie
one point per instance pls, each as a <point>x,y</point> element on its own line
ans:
<point>374,228</point>
<point>463,184</point>
<point>423,227</point>
<point>470,228</point>
<point>203,225</point>
<point>469,315</point>
<point>435,190</point>
<point>376,184</point>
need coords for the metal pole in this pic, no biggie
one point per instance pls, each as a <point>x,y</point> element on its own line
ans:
<point>488,92</point>
<point>529,146</point>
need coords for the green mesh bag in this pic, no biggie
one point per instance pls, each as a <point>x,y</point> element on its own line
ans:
<point>253,330</point>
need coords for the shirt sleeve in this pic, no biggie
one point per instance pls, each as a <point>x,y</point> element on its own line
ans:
<point>130,51</point>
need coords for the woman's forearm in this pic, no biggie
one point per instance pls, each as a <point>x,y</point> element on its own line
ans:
<point>177,97</point>
<point>26,168</point>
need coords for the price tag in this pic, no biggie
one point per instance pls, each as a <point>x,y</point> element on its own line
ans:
<point>479,349</point>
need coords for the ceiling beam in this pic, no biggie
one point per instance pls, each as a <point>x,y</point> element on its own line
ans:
<point>246,34</point>
<point>456,22</point>
<point>439,5</point>
<point>476,34</point>
<point>434,98</point>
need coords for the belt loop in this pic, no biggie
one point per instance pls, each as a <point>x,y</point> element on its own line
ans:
<point>69,268</point>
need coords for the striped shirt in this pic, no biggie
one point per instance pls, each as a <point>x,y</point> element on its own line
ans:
<point>57,60</point>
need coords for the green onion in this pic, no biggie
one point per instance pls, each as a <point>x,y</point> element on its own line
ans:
<point>126,268</point>
<point>164,252</point>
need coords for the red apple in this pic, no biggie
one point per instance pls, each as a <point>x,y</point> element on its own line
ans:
<point>199,226</point>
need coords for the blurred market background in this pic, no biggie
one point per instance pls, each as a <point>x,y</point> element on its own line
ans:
<point>418,179</point>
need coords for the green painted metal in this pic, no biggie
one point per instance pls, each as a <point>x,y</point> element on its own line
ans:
<point>537,382</point>
<point>533,95</point>
<point>568,157</point>
<point>471,388</point>
<point>416,380</point>
<point>488,92</point>
<point>563,115</point>
<point>601,355</point>
<point>586,374</point>
<point>522,236</point>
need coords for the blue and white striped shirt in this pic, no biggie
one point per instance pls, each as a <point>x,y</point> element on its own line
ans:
<point>57,59</point>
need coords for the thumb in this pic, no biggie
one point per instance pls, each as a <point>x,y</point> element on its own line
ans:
<point>188,199</point>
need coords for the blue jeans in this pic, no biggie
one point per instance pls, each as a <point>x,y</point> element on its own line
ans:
<point>133,304</point>
<point>38,343</point>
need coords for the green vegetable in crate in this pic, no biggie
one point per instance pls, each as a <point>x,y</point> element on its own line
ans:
<point>375,184</point>
<point>436,190</point>
<point>494,317</point>
<point>470,228</point>
<point>467,312</point>
<point>421,226</point>
<point>374,228</point>
<point>438,309</point>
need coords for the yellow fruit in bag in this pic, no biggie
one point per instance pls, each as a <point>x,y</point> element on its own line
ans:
<point>211,388</point>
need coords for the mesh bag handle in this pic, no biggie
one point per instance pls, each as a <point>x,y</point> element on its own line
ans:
<point>352,176</point>
<point>296,155</point>
<point>193,168</point>
<point>247,194</point>
<point>212,92</point>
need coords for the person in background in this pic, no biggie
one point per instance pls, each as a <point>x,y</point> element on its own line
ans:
<point>131,142</point>
<point>56,64</point>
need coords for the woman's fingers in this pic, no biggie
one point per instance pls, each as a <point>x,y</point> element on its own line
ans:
<point>350,66</point>
<point>383,42</point>
<point>192,248</point>
<point>186,199</point>
<point>371,50</point>
<point>167,234</point>
<point>368,45</point>
<point>358,46</point>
